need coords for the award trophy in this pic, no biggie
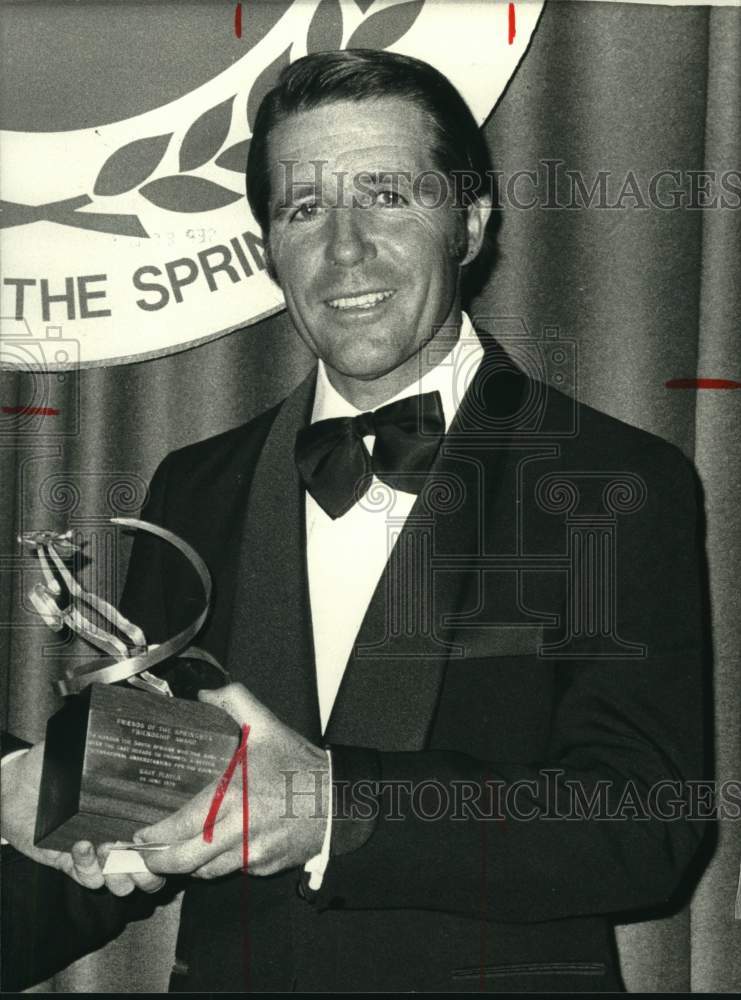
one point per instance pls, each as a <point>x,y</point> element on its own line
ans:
<point>128,747</point>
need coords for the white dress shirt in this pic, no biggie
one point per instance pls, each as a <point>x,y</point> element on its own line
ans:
<point>346,556</point>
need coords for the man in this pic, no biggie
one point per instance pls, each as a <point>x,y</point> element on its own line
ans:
<point>465,689</point>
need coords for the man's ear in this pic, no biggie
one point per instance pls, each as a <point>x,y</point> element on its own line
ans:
<point>477,218</point>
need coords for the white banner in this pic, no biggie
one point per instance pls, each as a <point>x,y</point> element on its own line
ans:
<point>131,237</point>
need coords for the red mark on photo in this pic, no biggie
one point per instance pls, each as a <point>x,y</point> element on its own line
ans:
<point>238,20</point>
<point>702,383</point>
<point>239,757</point>
<point>35,411</point>
<point>511,29</point>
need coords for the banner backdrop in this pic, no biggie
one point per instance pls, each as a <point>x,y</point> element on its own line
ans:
<point>124,229</point>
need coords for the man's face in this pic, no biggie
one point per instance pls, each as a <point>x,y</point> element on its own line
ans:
<point>363,251</point>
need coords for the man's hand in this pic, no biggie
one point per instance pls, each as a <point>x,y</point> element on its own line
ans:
<point>21,778</point>
<point>288,794</point>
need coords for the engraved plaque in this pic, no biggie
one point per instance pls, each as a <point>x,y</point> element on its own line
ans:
<point>117,759</point>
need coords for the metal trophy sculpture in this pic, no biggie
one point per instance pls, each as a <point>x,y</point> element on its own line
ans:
<point>120,757</point>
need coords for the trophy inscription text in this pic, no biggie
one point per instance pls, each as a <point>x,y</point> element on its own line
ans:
<point>119,759</point>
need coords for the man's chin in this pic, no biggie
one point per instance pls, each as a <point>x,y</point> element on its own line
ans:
<point>364,375</point>
<point>366,368</point>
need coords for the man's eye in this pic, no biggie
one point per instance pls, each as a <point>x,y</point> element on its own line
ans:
<point>306,211</point>
<point>390,199</point>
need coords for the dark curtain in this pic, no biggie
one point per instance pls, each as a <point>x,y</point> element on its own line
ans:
<point>646,294</point>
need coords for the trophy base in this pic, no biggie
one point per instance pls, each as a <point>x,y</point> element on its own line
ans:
<point>117,759</point>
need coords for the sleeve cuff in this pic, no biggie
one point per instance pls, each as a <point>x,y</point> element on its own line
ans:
<point>317,866</point>
<point>356,776</point>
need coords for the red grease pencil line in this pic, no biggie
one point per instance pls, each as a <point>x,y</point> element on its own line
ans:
<point>37,411</point>
<point>702,383</point>
<point>238,757</point>
<point>245,804</point>
<point>511,29</point>
<point>238,20</point>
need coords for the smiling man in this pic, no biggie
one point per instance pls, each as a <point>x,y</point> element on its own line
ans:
<point>370,267</point>
<point>452,777</point>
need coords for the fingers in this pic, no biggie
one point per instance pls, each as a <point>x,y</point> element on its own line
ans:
<point>185,857</point>
<point>187,822</point>
<point>226,863</point>
<point>264,856</point>
<point>124,883</point>
<point>194,853</point>
<point>149,882</point>
<point>84,865</point>
<point>120,885</point>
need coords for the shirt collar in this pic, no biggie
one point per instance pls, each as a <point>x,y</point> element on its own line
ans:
<point>451,376</point>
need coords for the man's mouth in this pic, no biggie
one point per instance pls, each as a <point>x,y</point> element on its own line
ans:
<point>365,301</point>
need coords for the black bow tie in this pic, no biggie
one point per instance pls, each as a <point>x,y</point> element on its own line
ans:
<point>337,468</point>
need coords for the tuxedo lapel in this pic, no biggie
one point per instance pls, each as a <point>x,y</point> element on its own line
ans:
<point>391,686</point>
<point>271,645</point>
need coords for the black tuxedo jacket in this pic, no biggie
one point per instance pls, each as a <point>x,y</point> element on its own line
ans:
<point>534,643</point>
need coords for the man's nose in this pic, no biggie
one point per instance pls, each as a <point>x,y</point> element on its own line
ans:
<point>349,239</point>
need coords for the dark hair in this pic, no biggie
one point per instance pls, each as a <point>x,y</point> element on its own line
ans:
<point>457,145</point>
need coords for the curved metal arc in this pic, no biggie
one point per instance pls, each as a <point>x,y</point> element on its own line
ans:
<point>123,669</point>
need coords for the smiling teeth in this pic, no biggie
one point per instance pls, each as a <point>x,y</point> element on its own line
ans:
<point>360,301</point>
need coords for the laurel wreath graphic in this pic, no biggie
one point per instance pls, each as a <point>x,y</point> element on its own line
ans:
<point>131,166</point>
